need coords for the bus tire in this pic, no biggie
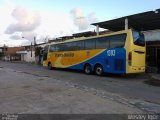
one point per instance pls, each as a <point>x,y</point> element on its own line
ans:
<point>88,69</point>
<point>98,70</point>
<point>49,66</point>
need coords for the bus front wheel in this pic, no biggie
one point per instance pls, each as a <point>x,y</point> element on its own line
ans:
<point>99,70</point>
<point>88,69</point>
<point>49,66</point>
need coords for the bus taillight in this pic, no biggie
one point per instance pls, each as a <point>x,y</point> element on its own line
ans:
<point>129,58</point>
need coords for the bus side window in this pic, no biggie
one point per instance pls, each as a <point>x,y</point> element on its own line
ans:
<point>60,47</point>
<point>79,45</point>
<point>117,41</point>
<point>52,48</point>
<point>70,46</point>
<point>102,43</point>
<point>63,47</point>
<point>90,44</point>
<point>57,48</point>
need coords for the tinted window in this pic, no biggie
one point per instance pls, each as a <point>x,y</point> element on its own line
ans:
<point>71,46</point>
<point>117,41</point>
<point>90,44</point>
<point>52,48</point>
<point>64,47</point>
<point>138,38</point>
<point>80,45</point>
<point>98,43</point>
<point>102,43</point>
<point>55,48</point>
<point>60,47</point>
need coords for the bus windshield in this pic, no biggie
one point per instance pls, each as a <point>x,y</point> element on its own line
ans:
<point>138,38</point>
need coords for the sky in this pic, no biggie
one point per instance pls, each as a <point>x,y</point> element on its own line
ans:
<point>22,20</point>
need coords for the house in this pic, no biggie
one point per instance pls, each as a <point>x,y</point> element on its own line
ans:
<point>23,53</point>
<point>26,56</point>
<point>9,53</point>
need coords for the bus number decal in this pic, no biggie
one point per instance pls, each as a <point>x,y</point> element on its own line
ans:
<point>111,53</point>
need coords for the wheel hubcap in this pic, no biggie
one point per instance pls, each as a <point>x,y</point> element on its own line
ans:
<point>99,70</point>
<point>87,69</point>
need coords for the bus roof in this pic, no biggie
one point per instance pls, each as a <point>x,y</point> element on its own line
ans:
<point>92,37</point>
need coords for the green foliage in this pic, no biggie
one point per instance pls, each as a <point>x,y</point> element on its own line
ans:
<point>38,51</point>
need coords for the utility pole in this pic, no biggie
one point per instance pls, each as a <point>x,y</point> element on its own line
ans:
<point>34,41</point>
<point>31,49</point>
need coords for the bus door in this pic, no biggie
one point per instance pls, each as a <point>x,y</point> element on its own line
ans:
<point>137,55</point>
<point>45,54</point>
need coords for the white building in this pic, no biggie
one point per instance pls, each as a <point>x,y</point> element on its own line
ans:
<point>27,56</point>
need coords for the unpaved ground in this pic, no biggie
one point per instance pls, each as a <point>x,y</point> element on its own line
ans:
<point>21,92</point>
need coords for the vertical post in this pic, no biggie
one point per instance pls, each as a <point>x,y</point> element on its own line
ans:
<point>4,51</point>
<point>34,41</point>
<point>126,23</point>
<point>97,29</point>
<point>156,56</point>
<point>31,49</point>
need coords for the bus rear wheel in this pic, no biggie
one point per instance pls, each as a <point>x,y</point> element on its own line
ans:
<point>88,69</point>
<point>98,70</point>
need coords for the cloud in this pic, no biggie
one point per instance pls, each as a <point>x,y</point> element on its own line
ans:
<point>5,11</point>
<point>27,24</point>
<point>16,36</point>
<point>56,24</point>
<point>19,22</point>
<point>25,20</point>
<point>29,35</point>
<point>92,18</point>
<point>80,20</point>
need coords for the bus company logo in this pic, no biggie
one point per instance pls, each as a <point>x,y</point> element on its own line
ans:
<point>111,53</point>
<point>64,55</point>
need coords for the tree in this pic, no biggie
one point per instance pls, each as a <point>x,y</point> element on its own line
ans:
<point>38,51</point>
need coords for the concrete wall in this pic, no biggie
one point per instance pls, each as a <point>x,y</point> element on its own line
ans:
<point>152,35</point>
<point>28,57</point>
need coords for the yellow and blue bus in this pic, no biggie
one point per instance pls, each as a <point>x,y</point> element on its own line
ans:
<point>119,52</point>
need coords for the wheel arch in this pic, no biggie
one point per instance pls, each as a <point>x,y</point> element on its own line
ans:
<point>86,65</point>
<point>96,64</point>
<point>90,68</point>
<point>49,62</point>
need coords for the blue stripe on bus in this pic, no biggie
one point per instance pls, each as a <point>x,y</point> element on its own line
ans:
<point>112,60</point>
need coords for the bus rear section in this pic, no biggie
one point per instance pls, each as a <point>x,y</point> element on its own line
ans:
<point>136,54</point>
